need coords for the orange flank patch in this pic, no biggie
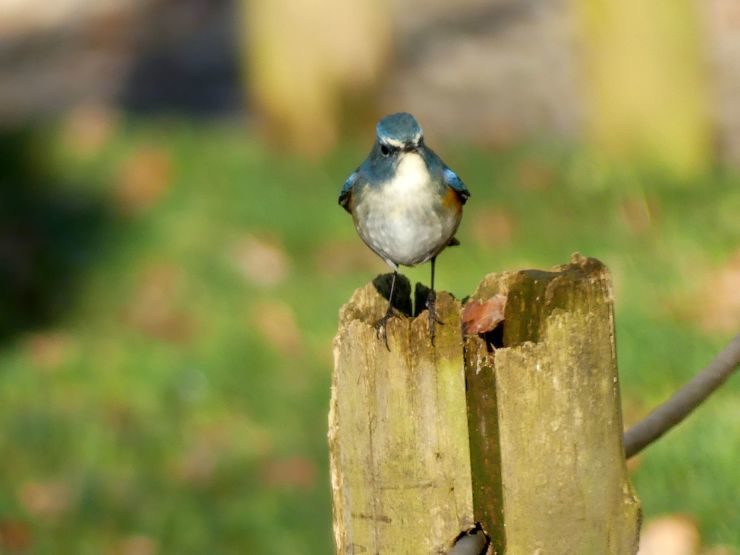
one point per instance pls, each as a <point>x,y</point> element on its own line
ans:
<point>452,200</point>
<point>351,202</point>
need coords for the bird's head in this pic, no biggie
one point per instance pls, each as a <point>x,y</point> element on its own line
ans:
<point>398,133</point>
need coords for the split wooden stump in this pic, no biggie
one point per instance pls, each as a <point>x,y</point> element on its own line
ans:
<point>518,430</point>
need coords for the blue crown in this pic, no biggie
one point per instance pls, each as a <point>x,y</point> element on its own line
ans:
<point>398,130</point>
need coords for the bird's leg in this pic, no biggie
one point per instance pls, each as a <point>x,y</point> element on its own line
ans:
<point>381,326</point>
<point>432,304</point>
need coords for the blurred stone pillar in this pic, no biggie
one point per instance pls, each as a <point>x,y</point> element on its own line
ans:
<point>303,58</point>
<point>645,81</point>
<point>723,30</point>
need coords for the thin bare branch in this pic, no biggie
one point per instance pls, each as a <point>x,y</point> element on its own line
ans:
<point>685,400</point>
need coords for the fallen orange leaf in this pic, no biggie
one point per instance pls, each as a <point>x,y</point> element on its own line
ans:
<point>483,316</point>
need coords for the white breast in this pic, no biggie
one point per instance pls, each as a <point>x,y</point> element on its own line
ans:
<point>412,177</point>
<point>403,220</point>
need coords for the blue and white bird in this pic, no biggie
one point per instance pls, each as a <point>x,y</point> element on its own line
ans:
<point>405,202</point>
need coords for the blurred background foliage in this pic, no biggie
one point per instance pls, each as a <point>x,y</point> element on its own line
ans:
<point>172,257</point>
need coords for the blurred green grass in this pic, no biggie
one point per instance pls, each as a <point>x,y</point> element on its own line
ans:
<point>181,400</point>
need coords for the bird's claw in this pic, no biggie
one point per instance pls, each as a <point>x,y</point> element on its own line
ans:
<point>381,327</point>
<point>431,305</point>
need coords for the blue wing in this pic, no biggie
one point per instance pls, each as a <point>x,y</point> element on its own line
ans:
<point>455,183</point>
<point>346,194</point>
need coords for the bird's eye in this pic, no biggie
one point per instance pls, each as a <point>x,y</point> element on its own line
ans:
<point>384,150</point>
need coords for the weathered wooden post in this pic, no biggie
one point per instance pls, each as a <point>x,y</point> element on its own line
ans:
<point>519,429</point>
<point>545,416</point>
<point>398,431</point>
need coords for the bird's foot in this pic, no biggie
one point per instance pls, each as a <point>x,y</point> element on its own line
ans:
<point>381,327</point>
<point>432,313</point>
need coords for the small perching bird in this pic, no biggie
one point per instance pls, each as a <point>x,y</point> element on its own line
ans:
<point>405,202</point>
